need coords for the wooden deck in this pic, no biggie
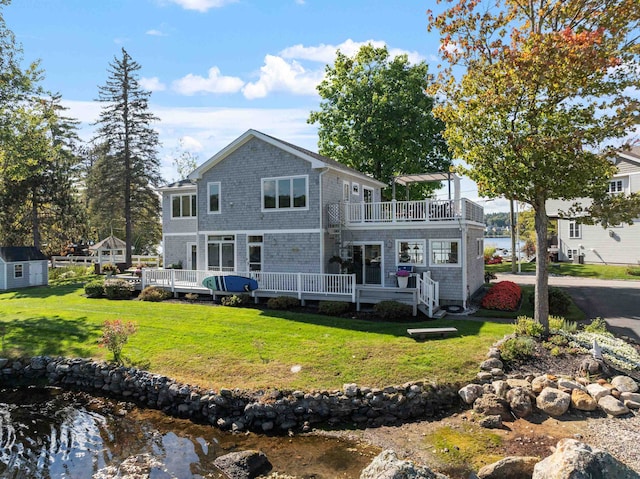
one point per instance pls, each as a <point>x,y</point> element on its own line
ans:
<point>303,286</point>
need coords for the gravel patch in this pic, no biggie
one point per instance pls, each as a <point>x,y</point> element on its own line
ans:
<point>619,436</point>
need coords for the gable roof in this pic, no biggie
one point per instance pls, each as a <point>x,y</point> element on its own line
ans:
<point>109,243</point>
<point>316,160</point>
<point>632,155</point>
<point>13,254</point>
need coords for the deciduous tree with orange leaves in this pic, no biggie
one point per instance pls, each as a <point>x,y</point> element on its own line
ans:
<point>532,91</point>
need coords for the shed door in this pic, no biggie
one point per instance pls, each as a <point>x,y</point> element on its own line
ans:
<point>35,273</point>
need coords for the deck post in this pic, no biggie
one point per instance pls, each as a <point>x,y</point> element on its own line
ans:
<point>299,286</point>
<point>143,280</point>
<point>173,280</point>
<point>353,289</point>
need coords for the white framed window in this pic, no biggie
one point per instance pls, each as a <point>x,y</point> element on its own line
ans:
<point>255,246</point>
<point>479,247</point>
<point>221,253</point>
<point>572,253</point>
<point>355,189</point>
<point>367,194</point>
<point>411,252</point>
<point>444,252</point>
<point>346,191</point>
<point>214,195</point>
<point>285,193</point>
<point>574,230</point>
<point>18,271</point>
<point>183,206</point>
<point>616,186</point>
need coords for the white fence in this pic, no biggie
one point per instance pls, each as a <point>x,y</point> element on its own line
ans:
<point>60,261</point>
<point>428,293</point>
<point>300,284</point>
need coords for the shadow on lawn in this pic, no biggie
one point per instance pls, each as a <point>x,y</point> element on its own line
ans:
<point>48,336</point>
<point>465,327</point>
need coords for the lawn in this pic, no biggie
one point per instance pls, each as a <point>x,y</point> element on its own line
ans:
<point>599,271</point>
<point>216,346</point>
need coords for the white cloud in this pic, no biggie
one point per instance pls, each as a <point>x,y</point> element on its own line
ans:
<point>300,2</point>
<point>214,83</point>
<point>155,33</point>
<point>327,53</point>
<point>279,75</point>
<point>202,5</point>
<point>152,84</point>
<point>189,143</point>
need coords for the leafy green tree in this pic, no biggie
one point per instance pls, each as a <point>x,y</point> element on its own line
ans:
<point>546,85</point>
<point>376,117</point>
<point>129,169</point>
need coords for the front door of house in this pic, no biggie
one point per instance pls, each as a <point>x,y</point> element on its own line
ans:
<point>367,263</point>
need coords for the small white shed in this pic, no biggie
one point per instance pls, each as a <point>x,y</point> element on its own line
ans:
<point>22,266</point>
<point>109,250</point>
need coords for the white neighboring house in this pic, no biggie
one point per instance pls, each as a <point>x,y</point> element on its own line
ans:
<point>593,243</point>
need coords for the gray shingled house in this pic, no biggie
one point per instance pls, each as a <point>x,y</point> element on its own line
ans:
<point>262,205</point>
<point>22,266</point>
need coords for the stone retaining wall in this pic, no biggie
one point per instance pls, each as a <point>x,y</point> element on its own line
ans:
<point>260,411</point>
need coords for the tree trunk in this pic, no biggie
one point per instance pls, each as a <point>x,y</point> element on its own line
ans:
<point>35,220</point>
<point>512,217</point>
<point>542,270</point>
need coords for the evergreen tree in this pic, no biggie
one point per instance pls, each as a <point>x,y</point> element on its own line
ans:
<point>126,173</point>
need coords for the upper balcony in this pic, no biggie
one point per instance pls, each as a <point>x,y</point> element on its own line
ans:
<point>394,212</point>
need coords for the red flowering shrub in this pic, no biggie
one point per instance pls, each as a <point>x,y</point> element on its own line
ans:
<point>504,296</point>
<point>493,260</point>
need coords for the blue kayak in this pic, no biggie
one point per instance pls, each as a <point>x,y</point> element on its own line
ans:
<point>231,284</point>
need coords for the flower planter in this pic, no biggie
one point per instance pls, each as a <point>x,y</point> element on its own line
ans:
<point>403,281</point>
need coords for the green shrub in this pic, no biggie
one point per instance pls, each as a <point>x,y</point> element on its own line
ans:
<point>525,326</point>
<point>109,268</point>
<point>94,289</point>
<point>518,348</point>
<point>393,311</point>
<point>118,289</point>
<point>555,351</point>
<point>154,294</point>
<point>333,308</point>
<point>283,303</point>
<point>557,323</point>
<point>235,300</point>
<point>558,340</point>
<point>633,270</point>
<point>559,301</point>
<point>598,325</point>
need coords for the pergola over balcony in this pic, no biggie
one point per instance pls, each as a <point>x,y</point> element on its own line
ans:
<point>408,212</point>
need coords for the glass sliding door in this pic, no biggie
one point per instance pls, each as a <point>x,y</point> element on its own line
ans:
<point>221,253</point>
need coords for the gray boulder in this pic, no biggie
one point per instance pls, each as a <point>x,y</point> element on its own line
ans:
<point>520,402</point>
<point>612,406</point>
<point>553,401</point>
<point>514,467</point>
<point>491,422</point>
<point>598,391</point>
<point>386,465</point>
<point>576,460</point>
<point>471,392</point>
<point>624,384</point>
<point>243,465</point>
<point>492,405</point>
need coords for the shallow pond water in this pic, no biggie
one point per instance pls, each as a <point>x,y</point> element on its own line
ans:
<point>50,433</point>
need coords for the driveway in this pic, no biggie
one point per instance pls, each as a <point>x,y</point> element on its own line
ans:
<point>618,302</point>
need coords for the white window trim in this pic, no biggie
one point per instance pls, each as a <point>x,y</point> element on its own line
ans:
<point>355,189</point>
<point>255,243</point>
<point>15,267</point>
<point>445,265</point>
<point>209,212</point>
<point>235,250</point>
<point>291,208</point>
<point>480,248</point>
<point>346,191</point>
<point>577,227</point>
<point>182,217</point>
<point>618,182</point>
<point>570,253</point>
<point>424,252</point>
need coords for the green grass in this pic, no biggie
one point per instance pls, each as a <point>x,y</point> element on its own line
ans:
<point>526,309</point>
<point>216,346</point>
<point>598,271</point>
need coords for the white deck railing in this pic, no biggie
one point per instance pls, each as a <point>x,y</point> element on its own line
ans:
<point>390,212</point>
<point>297,283</point>
<point>428,292</point>
<point>150,261</point>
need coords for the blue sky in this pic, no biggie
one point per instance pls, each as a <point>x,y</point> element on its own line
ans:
<point>216,67</point>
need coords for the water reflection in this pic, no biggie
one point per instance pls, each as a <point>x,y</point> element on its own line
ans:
<point>51,434</point>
